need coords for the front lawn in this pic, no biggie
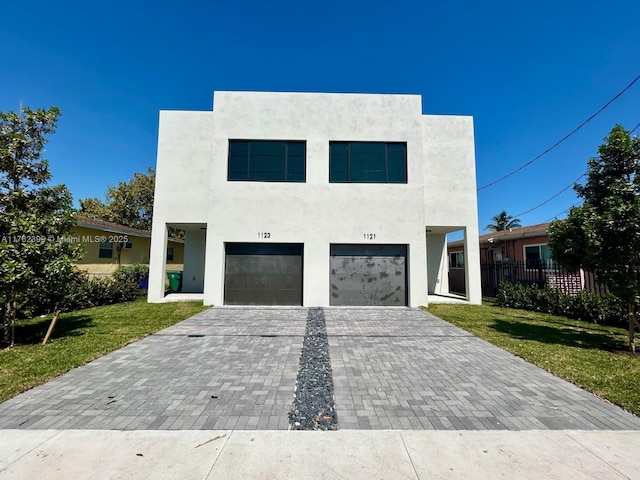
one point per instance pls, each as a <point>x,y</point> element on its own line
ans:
<point>80,337</point>
<point>591,356</point>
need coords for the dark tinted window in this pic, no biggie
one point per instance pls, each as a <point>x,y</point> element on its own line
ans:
<point>368,162</point>
<point>106,250</point>
<point>266,161</point>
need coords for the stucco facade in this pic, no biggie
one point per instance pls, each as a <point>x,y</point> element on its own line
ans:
<point>194,193</point>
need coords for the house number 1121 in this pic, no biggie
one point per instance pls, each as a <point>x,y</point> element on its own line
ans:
<point>369,236</point>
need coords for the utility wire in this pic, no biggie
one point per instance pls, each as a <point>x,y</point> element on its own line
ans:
<point>558,214</point>
<point>566,188</point>
<point>563,138</point>
<point>551,198</point>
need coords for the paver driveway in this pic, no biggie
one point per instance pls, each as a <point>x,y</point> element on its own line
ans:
<point>226,368</point>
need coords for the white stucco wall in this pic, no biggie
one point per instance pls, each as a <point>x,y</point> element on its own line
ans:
<point>194,261</point>
<point>437,263</point>
<point>182,183</point>
<point>192,186</point>
<point>450,194</point>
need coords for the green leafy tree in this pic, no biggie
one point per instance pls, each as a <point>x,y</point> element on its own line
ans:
<point>34,216</point>
<point>502,222</point>
<point>93,208</point>
<point>129,203</point>
<point>603,234</point>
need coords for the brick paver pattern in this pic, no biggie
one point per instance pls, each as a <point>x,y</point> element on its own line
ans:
<point>393,368</point>
<point>224,368</point>
<point>407,369</point>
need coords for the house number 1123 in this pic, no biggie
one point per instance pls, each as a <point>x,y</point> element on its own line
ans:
<point>264,234</point>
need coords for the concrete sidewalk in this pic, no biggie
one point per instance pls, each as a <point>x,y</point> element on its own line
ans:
<point>100,454</point>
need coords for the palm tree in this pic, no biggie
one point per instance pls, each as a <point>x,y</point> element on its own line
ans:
<point>502,222</point>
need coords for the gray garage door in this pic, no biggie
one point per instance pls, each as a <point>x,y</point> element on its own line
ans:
<point>367,275</point>
<point>263,274</point>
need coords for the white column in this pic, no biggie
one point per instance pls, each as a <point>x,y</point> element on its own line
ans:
<point>157,262</point>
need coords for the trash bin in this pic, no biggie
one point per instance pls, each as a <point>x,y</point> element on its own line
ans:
<point>175,280</point>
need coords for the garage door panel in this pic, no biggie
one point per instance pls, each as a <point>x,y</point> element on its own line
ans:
<point>262,297</point>
<point>263,274</point>
<point>254,264</point>
<point>363,275</point>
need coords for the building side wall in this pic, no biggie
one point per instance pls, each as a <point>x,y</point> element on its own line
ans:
<point>183,166</point>
<point>450,197</point>
<point>512,248</point>
<point>193,275</point>
<point>139,253</point>
<point>182,184</point>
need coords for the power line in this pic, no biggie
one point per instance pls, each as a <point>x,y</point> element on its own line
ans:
<point>563,138</point>
<point>558,214</point>
<point>564,189</point>
<point>551,198</point>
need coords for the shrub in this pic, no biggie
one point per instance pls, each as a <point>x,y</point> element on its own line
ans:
<point>132,273</point>
<point>84,292</point>
<point>584,305</point>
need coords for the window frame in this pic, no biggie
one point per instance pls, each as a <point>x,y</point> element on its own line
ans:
<point>102,248</point>
<point>349,143</point>
<point>548,265</point>
<point>170,254</point>
<point>286,171</point>
<point>458,265</point>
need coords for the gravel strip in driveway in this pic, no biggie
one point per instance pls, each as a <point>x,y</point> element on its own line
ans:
<point>313,407</point>
<point>402,368</point>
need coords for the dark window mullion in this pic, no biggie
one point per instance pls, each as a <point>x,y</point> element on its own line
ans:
<point>386,163</point>
<point>286,161</point>
<point>248,160</point>
<point>349,162</point>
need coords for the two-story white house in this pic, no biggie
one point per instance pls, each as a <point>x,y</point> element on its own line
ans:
<point>315,199</point>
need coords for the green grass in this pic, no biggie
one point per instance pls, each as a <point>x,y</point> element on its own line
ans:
<point>591,356</point>
<point>80,337</point>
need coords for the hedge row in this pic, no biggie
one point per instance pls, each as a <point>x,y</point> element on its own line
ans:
<point>587,306</point>
<point>85,292</point>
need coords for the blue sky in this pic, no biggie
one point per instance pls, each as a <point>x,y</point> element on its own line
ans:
<point>528,72</point>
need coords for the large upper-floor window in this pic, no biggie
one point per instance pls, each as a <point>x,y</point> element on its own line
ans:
<point>266,161</point>
<point>368,162</point>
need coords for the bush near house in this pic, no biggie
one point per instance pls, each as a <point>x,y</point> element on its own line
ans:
<point>132,273</point>
<point>584,305</point>
<point>83,293</point>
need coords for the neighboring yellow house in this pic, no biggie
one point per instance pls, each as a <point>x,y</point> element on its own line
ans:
<point>108,245</point>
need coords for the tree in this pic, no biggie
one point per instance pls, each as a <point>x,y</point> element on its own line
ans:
<point>502,222</point>
<point>129,203</point>
<point>93,208</point>
<point>34,217</point>
<point>603,234</point>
